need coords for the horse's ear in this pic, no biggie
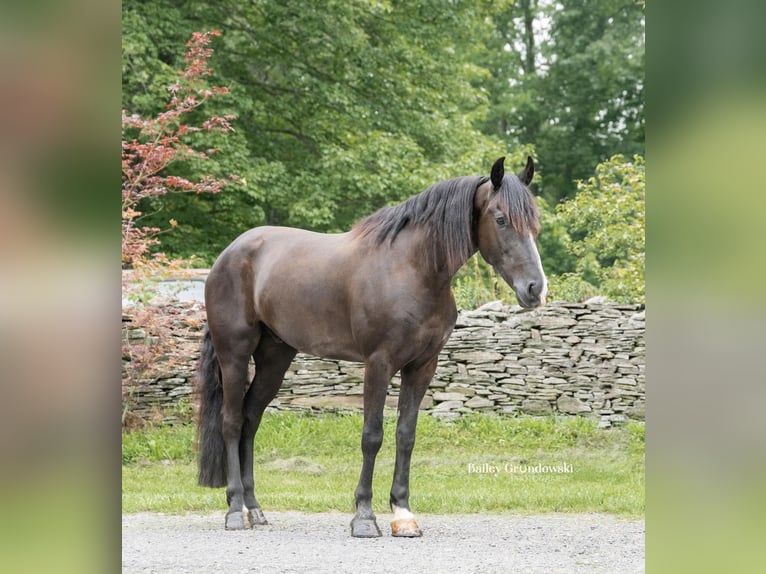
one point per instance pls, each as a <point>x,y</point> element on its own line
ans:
<point>498,171</point>
<point>528,172</point>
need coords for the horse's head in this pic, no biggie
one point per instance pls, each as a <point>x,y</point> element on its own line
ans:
<point>507,231</point>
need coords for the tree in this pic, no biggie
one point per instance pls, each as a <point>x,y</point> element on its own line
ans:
<point>606,228</point>
<point>568,78</point>
<point>152,146</point>
<point>153,33</point>
<point>342,107</point>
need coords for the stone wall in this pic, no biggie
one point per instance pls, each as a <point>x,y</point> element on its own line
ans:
<point>565,359</point>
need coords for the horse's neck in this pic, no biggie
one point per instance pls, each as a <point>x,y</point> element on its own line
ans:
<point>432,258</point>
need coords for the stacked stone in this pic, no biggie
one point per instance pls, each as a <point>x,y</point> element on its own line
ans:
<point>567,358</point>
<point>564,359</point>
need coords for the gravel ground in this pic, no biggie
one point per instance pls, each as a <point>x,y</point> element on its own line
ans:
<point>295,542</point>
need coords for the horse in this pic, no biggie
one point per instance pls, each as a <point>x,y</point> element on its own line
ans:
<point>378,294</point>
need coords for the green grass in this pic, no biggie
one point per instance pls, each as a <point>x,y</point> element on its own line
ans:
<point>312,463</point>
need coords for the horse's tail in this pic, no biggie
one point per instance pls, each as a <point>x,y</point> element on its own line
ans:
<point>211,449</point>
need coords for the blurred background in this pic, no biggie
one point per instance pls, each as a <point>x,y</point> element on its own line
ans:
<point>59,292</point>
<point>706,435</point>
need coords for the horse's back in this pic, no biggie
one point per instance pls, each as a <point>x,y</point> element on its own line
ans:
<point>295,282</point>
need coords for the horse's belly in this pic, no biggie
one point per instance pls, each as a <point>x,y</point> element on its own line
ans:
<point>332,351</point>
<point>307,325</point>
<point>320,342</point>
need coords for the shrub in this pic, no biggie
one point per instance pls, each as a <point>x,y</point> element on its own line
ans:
<point>606,223</point>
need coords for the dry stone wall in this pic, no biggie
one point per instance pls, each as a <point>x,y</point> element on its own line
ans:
<point>564,359</point>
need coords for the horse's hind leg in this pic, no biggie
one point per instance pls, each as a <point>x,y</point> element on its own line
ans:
<point>272,359</point>
<point>234,348</point>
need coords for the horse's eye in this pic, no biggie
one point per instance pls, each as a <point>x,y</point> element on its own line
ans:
<point>500,221</point>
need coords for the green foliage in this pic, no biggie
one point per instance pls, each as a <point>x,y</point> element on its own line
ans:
<point>343,107</point>
<point>476,283</point>
<point>311,463</point>
<point>606,225</point>
<point>553,241</point>
<point>567,77</point>
<point>570,287</point>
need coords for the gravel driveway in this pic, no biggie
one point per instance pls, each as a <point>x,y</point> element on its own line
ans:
<point>296,542</point>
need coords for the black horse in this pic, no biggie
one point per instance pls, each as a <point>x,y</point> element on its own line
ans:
<point>379,294</point>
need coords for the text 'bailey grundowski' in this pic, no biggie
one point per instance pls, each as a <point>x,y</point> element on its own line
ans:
<point>514,468</point>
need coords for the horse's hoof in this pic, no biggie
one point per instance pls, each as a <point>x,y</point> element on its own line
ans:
<point>364,528</point>
<point>256,518</point>
<point>237,521</point>
<point>405,527</point>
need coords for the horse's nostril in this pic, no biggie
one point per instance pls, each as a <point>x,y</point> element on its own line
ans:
<point>531,288</point>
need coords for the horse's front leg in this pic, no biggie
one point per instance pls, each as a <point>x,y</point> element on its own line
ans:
<point>377,375</point>
<point>414,384</point>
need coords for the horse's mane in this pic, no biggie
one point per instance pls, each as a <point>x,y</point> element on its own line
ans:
<point>445,211</point>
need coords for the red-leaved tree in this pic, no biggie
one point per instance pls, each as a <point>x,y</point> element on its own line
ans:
<point>151,145</point>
